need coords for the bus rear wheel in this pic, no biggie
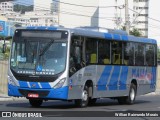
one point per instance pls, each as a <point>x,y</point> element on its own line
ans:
<point>130,99</point>
<point>132,94</point>
<point>83,102</point>
<point>92,101</point>
<point>35,102</point>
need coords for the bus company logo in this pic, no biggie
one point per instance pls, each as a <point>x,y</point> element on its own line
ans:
<point>33,85</point>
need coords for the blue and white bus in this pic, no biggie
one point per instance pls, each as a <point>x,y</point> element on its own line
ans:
<point>81,64</point>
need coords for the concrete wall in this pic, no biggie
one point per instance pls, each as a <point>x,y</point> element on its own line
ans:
<point>3,77</point>
<point>158,80</point>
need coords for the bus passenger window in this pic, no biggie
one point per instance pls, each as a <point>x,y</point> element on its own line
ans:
<point>104,52</point>
<point>128,49</point>
<point>149,55</point>
<point>117,52</point>
<point>139,54</point>
<point>91,51</point>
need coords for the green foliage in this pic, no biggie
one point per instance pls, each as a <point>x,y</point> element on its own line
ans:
<point>5,56</point>
<point>134,31</point>
<point>22,8</point>
<point>158,54</point>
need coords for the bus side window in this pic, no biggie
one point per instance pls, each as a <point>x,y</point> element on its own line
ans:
<point>103,51</point>
<point>91,51</point>
<point>117,52</point>
<point>128,53</point>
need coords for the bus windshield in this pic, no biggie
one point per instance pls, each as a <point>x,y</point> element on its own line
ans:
<point>35,55</point>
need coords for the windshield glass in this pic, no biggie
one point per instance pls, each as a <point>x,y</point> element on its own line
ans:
<point>38,56</point>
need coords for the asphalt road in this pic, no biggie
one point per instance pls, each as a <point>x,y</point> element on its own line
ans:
<point>103,107</point>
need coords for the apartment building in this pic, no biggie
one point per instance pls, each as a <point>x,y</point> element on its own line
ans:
<point>141,13</point>
<point>42,5</point>
<point>6,6</point>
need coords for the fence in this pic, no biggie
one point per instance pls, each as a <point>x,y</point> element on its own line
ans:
<point>4,70</point>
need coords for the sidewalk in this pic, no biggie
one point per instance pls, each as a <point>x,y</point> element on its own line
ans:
<point>4,97</point>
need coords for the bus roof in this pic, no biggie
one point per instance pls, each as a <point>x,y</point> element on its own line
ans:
<point>98,33</point>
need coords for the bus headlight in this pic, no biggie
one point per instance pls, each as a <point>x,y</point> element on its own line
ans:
<point>10,81</point>
<point>60,83</point>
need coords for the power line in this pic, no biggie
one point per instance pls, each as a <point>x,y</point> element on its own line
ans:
<point>76,14</point>
<point>147,17</point>
<point>86,5</point>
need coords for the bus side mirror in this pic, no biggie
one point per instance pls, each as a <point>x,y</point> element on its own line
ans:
<point>4,48</point>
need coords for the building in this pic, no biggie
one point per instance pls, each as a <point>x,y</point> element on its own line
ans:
<point>35,18</point>
<point>6,6</point>
<point>42,5</point>
<point>75,13</point>
<point>140,15</point>
<point>113,14</point>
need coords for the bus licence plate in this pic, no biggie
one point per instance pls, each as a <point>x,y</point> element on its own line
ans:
<point>33,95</point>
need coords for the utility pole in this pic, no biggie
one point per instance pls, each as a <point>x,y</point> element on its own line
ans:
<point>126,16</point>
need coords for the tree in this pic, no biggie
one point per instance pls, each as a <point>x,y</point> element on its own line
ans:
<point>158,53</point>
<point>22,8</point>
<point>134,31</point>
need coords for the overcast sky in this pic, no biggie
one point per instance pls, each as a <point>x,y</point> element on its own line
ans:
<point>153,25</point>
<point>24,2</point>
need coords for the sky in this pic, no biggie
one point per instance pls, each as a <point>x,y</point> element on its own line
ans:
<point>154,26</point>
<point>24,2</point>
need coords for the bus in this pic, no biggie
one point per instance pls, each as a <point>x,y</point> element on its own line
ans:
<point>80,64</point>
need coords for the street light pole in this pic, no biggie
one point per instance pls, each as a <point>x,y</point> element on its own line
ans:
<point>126,16</point>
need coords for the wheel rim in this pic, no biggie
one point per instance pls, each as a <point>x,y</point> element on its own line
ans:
<point>132,94</point>
<point>84,95</point>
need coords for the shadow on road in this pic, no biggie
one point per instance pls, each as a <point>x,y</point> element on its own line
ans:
<point>62,105</point>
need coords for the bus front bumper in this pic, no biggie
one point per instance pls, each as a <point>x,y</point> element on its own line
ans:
<point>59,93</point>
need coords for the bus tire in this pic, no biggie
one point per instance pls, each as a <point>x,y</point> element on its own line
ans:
<point>92,101</point>
<point>35,102</point>
<point>122,100</point>
<point>132,94</point>
<point>83,102</point>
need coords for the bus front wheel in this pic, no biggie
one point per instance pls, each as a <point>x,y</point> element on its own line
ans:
<point>35,102</point>
<point>83,102</point>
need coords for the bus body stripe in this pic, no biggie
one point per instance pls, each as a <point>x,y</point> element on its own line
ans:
<point>116,37</point>
<point>104,78</point>
<point>124,37</point>
<point>108,36</point>
<point>23,84</point>
<point>153,80</point>
<point>114,78</point>
<point>123,78</point>
<point>45,85</point>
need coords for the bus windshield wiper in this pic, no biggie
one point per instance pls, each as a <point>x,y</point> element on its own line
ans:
<point>46,47</point>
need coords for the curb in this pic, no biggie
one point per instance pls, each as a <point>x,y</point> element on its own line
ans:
<point>4,97</point>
